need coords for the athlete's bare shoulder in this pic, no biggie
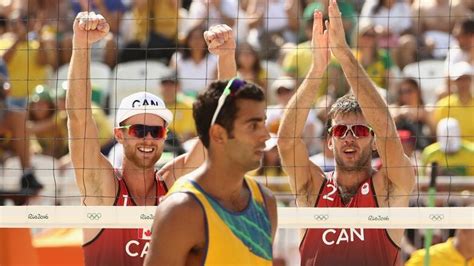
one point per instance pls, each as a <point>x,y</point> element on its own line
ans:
<point>178,231</point>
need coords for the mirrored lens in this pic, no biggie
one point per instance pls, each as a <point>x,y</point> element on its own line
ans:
<point>141,131</point>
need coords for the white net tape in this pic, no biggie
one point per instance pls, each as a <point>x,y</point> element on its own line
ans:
<point>288,217</point>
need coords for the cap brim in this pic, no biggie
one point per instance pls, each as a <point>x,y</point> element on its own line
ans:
<point>165,114</point>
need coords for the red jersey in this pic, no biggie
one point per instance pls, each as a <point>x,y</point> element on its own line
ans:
<point>348,246</point>
<point>121,246</point>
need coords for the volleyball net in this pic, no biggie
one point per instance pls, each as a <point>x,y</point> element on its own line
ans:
<point>424,76</point>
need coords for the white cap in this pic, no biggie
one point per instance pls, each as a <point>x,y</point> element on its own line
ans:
<point>286,82</point>
<point>143,103</point>
<point>461,69</point>
<point>448,135</point>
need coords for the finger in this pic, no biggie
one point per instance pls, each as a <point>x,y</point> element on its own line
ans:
<point>334,9</point>
<point>102,23</point>
<point>318,22</point>
<point>209,36</point>
<point>225,32</point>
<point>229,30</point>
<point>218,32</point>
<point>94,21</point>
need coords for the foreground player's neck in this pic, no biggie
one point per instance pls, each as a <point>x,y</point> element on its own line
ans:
<point>221,178</point>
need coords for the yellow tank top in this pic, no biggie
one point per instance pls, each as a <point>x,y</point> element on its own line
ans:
<point>233,238</point>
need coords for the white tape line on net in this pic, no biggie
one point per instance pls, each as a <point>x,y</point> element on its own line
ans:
<point>138,217</point>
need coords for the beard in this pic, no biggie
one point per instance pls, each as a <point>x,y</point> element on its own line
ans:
<point>146,163</point>
<point>361,163</point>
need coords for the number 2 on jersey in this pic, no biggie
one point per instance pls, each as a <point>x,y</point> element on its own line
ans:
<point>333,190</point>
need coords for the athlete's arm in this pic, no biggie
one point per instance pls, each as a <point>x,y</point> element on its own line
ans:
<point>221,42</point>
<point>178,232</point>
<point>184,164</point>
<point>396,165</point>
<point>305,178</point>
<point>94,174</point>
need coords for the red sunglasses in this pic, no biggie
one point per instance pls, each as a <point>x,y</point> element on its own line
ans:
<point>141,131</point>
<point>358,131</point>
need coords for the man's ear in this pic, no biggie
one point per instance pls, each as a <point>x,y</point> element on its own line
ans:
<point>119,136</point>
<point>217,134</point>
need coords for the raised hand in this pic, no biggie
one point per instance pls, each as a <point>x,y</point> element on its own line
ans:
<point>89,27</point>
<point>320,43</point>
<point>337,38</point>
<point>220,40</point>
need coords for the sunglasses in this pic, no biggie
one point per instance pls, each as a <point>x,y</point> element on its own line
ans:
<point>358,131</point>
<point>141,131</point>
<point>232,86</point>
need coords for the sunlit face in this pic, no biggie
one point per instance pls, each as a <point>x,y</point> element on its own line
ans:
<point>351,153</point>
<point>465,40</point>
<point>284,95</point>
<point>196,40</point>
<point>408,94</point>
<point>246,58</point>
<point>463,83</point>
<point>368,38</point>
<point>246,147</point>
<point>168,90</point>
<point>141,152</point>
<point>41,109</point>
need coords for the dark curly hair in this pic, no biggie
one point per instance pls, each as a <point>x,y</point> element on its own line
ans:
<point>206,104</point>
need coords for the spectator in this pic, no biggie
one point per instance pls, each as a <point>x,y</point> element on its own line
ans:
<point>393,23</point>
<point>460,104</point>
<point>434,21</point>
<point>271,165</point>
<point>453,154</point>
<point>270,168</point>
<point>47,19</point>
<point>208,13</point>
<point>325,159</point>
<point>249,66</point>
<point>104,127</point>
<point>273,23</point>
<point>408,140</point>
<point>26,59</point>
<point>45,123</point>
<point>181,106</point>
<point>376,62</point>
<point>153,25</point>
<point>13,137</point>
<point>410,113</point>
<point>112,10</point>
<point>464,50</point>
<point>298,61</point>
<point>456,251</point>
<point>193,63</point>
<point>284,88</point>
<point>106,50</point>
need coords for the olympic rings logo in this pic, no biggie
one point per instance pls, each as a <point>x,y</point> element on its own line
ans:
<point>436,217</point>
<point>94,215</point>
<point>321,217</point>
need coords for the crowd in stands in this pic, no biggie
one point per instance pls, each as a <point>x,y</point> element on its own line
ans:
<point>273,51</point>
